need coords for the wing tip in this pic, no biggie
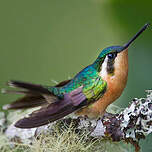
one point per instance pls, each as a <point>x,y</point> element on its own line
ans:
<point>22,124</point>
<point>18,124</point>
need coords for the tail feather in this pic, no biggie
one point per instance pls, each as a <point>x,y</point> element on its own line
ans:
<point>28,101</point>
<point>29,86</point>
<point>34,95</point>
<point>5,91</point>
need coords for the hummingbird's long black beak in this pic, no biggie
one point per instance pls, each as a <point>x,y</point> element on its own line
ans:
<point>137,34</point>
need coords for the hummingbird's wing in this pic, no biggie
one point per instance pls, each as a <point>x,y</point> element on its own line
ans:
<point>54,111</point>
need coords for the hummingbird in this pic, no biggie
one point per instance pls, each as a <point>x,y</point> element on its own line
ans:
<point>88,93</point>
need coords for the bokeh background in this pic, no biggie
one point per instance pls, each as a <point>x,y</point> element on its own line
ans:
<point>41,41</point>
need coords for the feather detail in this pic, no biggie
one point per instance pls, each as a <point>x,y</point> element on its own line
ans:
<point>28,101</point>
<point>29,86</point>
<point>5,91</point>
<point>77,96</point>
<point>35,95</point>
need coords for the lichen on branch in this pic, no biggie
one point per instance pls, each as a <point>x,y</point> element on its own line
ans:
<point>130,125</point>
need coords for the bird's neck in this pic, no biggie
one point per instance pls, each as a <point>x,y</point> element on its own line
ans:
<point>117,81</point>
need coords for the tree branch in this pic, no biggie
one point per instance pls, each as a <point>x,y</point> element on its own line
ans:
<point>130,125</point>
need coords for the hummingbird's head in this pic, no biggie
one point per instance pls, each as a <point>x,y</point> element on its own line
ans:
<point>108,57</point>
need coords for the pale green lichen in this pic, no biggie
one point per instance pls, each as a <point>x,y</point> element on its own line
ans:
<point>140,113</point>
<point>60,141</point>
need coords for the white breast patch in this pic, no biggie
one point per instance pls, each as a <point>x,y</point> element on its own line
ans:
<point>103,71</point>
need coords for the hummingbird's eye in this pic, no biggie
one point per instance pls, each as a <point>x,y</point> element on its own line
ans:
<point>111,56</point>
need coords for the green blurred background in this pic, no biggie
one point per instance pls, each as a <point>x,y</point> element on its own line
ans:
<point>49,40</point>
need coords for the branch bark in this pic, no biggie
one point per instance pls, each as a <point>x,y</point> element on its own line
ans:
<point>130,125</point>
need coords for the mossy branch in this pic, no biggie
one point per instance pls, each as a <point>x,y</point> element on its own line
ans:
<point>130,125</point>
